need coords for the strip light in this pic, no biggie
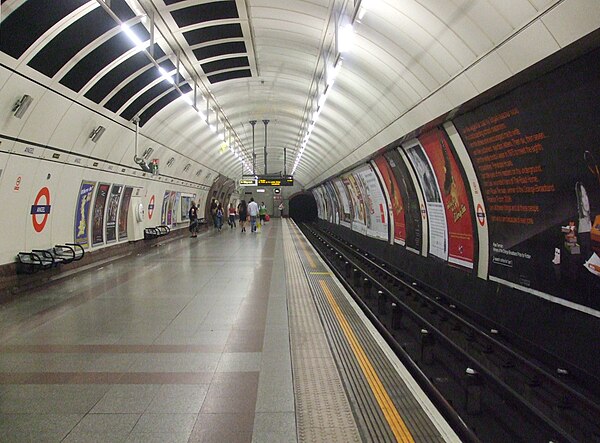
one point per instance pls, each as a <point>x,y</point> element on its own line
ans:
<point>140,46</point>
<point>331,75</point>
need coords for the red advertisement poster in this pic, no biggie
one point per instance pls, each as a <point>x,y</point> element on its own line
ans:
<point>396,199</point>
<point>454,196</point>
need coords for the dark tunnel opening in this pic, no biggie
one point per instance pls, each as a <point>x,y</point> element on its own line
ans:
<point>303,208</point>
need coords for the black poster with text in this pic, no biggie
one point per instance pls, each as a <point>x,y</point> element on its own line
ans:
<point>536,151</point>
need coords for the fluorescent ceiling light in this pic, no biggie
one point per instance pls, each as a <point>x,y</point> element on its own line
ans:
<point>166,76</point>
<point>345,38</point>
<point>134,38</point>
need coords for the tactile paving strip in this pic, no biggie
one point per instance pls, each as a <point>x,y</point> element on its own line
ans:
<point>369,415</point>
<point>323,412</point>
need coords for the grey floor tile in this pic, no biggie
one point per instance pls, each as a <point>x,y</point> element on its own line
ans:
<point>36,427</point>
<point>165,423</point>
<point>178,399</point>
<point>240,362</point>
<point>122,399</point>
<point>100,424</point>
<point>275,427</point>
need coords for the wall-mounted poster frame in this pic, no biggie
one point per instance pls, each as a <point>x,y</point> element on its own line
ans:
<point>82,212</point>
<point>112,212</point>
<point>98,214</point>
<point>124,212</point>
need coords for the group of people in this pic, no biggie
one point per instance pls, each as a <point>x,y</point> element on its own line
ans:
<point>246,212</point>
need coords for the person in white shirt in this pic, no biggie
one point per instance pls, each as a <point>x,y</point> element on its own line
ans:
<point>253,213</point>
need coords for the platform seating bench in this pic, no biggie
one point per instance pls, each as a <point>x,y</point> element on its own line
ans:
<point>156,231</point>
<point>37,259</point>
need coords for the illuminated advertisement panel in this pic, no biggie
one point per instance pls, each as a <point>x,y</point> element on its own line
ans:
<point>536,152</point>
<point>334,203</point>
<point>395,199</point>
<point>436,216</point>
<point>346,209</point>
<point>112,212</point>
<point>374,201</point>
<point>124,212</point>
<point>454,197</point>
<point>82,212</point>
<point>413,216</point>
<point>359,217</point>
<point>98,219</point>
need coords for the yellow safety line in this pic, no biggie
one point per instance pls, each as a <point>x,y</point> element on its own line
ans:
<point>320,273</point>
<point>390,412</point>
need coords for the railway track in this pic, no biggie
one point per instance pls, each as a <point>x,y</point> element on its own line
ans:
<point>499,393</point>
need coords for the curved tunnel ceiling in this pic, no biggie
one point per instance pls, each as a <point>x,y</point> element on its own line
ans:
<point>411,61</point>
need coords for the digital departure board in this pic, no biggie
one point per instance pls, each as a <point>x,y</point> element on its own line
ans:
<point>286,180</point>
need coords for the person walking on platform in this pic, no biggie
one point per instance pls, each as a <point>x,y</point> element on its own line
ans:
<point>242,214</point>
<point>219,217</point>
<point>231,216</point>
<point>253,213</point>
<point>281,209</point>
<point>193,215</point>
<point>213,211</point>
<point>262,212</point>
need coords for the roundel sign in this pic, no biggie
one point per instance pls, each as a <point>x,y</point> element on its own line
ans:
<point>151,208</point>
<point>40,210</point>
<point>480,214</point>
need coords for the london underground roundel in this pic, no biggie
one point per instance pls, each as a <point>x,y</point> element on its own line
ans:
<point>40,210</point>
<point>151,208</point>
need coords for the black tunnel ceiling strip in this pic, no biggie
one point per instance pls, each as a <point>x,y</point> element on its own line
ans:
<point>157,106</point>
<point>36,17</point>
<point>225,63</point>
<point>138,104</point>
<point>205,12</point>
<point>100,57</point>
<point>229,76</point>
<point>116,76</point>
<point>132,88</point>
<point>220,49</point>
<point>172,2</point>
<point>70,41</point>
<point>213,33</point>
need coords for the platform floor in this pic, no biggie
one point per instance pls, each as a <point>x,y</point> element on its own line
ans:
<point>228,337</point>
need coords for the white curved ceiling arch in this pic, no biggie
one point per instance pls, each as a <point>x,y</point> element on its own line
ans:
<point>411,61</point>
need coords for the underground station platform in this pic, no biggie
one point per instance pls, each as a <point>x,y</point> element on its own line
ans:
<point>228,337</point>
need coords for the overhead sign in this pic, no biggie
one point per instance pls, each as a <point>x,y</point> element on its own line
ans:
<point>248,182</point>
<point>286,180</point>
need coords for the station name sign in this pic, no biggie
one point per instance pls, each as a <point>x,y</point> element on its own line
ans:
<point>265,180</point>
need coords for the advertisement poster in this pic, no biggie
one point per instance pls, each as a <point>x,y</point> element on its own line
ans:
<point>412,210</point>
<point>359,217</point>
<point>82,212</point>
<point>186,204</point>
<point>334,203</point>
<point>98,220</point>
<point>395,198</point>
<point>457,207</point>
<point>112,211</point>
<point>536,151</point>
<point>436,216</point>
<point>375,204</point>
<point>346,209</point>
<point>124,212</point>
<point>163,212</point>
<point>319,200</point>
